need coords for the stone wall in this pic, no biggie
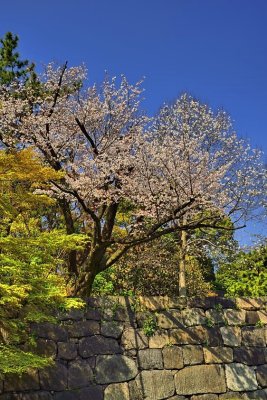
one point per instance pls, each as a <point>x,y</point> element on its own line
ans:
<point>151,348</point>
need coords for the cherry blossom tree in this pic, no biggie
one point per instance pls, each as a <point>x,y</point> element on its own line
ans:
<point>129,179</point>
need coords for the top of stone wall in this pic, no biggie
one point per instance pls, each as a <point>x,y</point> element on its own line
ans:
<point>158,303</point>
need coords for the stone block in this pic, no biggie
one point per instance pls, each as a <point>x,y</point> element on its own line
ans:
<point>135,391</point>
<point>117,391</point>
<point>27,381</point>
<point>96,345</point>
<point>150,359</point>
<point>93,313</point>
<point>240,377</point>
<point>177,302</point>
<point>192,354</point>
<point>205,397</point>
<point>191,335</point>
<point>46,347</point>
<point>261,374</point>
<point>252,317</point>
<point>114,369</point>
<point>75,314</point>
<point>215,316</point>
<point>250,355</point>
<point>215,355</point>
<point>249,303</point>
<point>202,302</point>
<point>67,350</point>
<point>159,340</point>
<point>93,392</point>
<point>153,303</point>
<point>230,396</point>
<point>47,330</point>
<point>231,335</point>
<point>83,328</point>
<point>80,374</point>
<point>234,317</point>
<point>214,336</point>
<point>111,329</point>
<point>263,316</point>
<point>54,377</point>
<point>40,395</point>
<point>202,379</point>
<point>256,395</point>
<point>173,357</point>
<point>193,316</point>
<point>156,385</point>
<point>134,339</point>
<point>169,319</point>
<point>252,336</point>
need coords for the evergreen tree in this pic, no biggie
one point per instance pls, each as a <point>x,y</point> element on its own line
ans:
<point>12,68</point>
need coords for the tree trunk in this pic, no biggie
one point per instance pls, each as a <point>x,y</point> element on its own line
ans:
<point>182,279</point>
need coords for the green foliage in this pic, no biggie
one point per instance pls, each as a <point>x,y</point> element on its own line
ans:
<point>246,275</point>
<point>14,360</point>
<point>150,325</point>
<point>32,276</point>
<point>11,66</point>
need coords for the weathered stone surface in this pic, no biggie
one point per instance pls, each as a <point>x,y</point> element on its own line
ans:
<point>95,345</point>
<point>230,396</point>
<point>249,303</point>
<point>169,318</point>
<point>159,340</point>
<point>261,374</point>
<point>173,357</point>
<point>75,314</point>
<point>252,317</point>
<point>156,385</point>
<point>83,328</point>
<point>67,351</point>
<point>177,302</point>
<point>200,379</point>
<point>253,336</point>
<point>192,335</point>
<point>215,316</point>
<point>80,374</point>
<point>153,303</point>
<point>88,393</point>
<point>54,377</point>
<point>93,313</point>
<point>27,396</point>
<point>231,335</point>
<point>263,316</point>
<point>93,392</point>
<point>115,368</point>
<point>134,339</point>
<point>234,317</point>
<point>46,347</point>
<point>205,397</point>
<point>111,329</point>
<point>250,355</point>
<point>135,391</point>
<point>214,336</point>
<point>193,354</point>
<point>256,395</point>
<point>214,355</point>
<point>150,359</point>
<point>27,381</point>
<point>240,377</point>
<point>193,316</point>
<point>117,391</point>
<point>202,302</point>
<point>177,398</point>
<point>47,330</point>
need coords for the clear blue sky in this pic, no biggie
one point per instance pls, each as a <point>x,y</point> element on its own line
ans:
<point>213,49</point>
